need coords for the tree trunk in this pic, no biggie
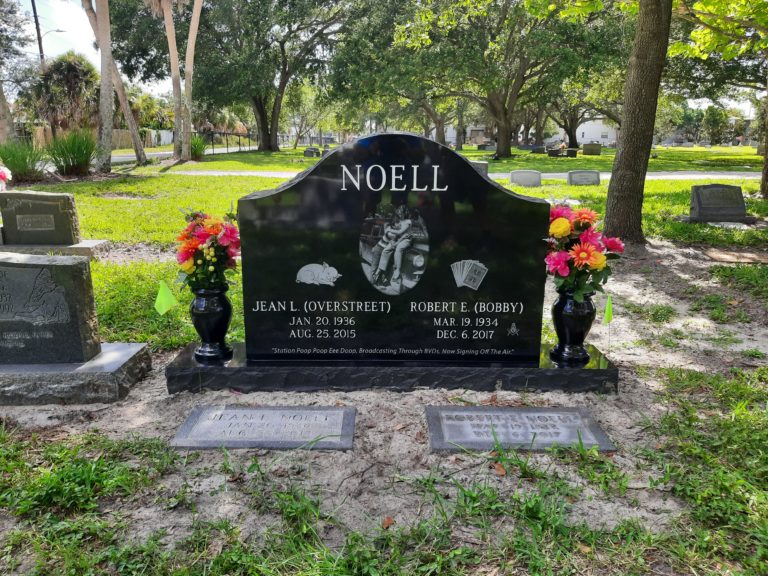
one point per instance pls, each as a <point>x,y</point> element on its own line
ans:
<point>624,207</point>
<point>178,117</point>
<point>459,144</point>
<point>503,140</point>
<point>277,106</point>
<point>540,118</point>
<point>764,179</point>
<point>515,134</point>
<point>262,122</point>
<point>106,100</point>
<point>440,130</point>
<point>571,130</point>
<point>117,81</point>
<point>189,65</point>
<point>6,120</point>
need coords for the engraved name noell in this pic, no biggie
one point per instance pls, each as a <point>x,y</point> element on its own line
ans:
<point>35,222</point>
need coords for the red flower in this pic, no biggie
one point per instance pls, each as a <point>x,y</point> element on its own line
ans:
<point>229,235</point>
<point>557,263</point>
<point>560,211</point>
<point>590,236</point>
<point>613,245</point>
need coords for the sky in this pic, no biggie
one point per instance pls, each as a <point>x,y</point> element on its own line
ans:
<point>77,35</point>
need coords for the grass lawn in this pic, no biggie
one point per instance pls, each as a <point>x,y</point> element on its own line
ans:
<point>146,209</point>
<point>69,497</point>
<point>719,158</point>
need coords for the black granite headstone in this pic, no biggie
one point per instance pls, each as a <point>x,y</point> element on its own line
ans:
<point>47,313</point>
<point>393,250</point>
<point>718,203</point>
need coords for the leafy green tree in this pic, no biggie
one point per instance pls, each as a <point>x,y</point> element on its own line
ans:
<point>304,109</point>
<point>669,115</point>
<point>691,122</point>
<point>66,94</point>
<point>501,52</point>
<point>715,124</point>
<point>12,39</point>
<point>251,50</point>
<point>732,29</point>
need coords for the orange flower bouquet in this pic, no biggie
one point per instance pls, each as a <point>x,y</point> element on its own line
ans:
<point>578,259</point>
<point>579,254</point>
<point>207,249</point>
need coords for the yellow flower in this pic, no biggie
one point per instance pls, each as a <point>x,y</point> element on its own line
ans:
<point>188,266</point>
<point>560,228</point>
<point>597,261</point>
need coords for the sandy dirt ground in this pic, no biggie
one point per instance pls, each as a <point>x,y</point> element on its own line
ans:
<point>377,478</point>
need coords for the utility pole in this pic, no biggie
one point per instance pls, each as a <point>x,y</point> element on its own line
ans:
<point>39,37</point>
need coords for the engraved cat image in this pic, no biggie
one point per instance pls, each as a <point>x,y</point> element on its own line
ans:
<point>318,274</point>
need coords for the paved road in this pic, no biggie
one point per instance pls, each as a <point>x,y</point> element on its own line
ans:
<point>220,149</point>
<point>686,175</point>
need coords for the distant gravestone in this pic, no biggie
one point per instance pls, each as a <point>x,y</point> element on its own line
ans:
<point>718,203</point>
<point>318,428</point>
<point>529,178</point>
<point>47,313</point>
<point>462,428</point>
<point>39,218</point>
<point>311,152</point>
<point>592,149</point>
<point>481,167</point>
<point>583,178</point>
<point>539,150</point>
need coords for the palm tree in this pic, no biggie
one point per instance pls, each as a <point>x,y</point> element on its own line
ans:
<point>164,8</point>
<point>117,81</point>
<point>189,63</point>
<point>106,101</point>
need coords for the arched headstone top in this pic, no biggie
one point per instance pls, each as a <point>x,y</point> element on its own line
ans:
<point>393,248</point>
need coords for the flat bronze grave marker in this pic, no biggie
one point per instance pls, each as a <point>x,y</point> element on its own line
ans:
<point>454,429</point>
<point>277,428</point>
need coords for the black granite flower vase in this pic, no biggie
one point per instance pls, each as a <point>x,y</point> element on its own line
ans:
<point>211,314</point>
<point>572,321</point>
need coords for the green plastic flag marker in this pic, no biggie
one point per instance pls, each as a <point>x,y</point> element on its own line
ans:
<point>165,299</point>
<point>608,312</point>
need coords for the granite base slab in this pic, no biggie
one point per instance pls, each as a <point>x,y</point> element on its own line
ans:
<point>89,248</point>
<point>107,377</point>
<point>271,427</point>
<point>185,373</point>
<point>460,428</point>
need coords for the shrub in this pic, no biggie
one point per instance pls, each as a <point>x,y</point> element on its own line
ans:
<point>72,154</point>
<point>197,147</point>
<point>23,159</point>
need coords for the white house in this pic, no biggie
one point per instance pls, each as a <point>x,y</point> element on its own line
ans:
<point>594,130</point>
